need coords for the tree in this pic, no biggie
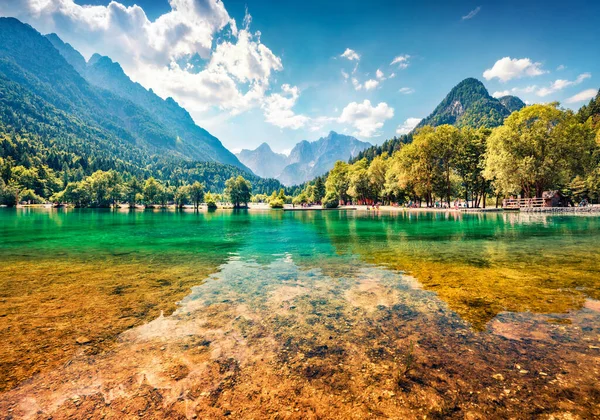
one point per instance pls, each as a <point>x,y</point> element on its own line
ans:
<point>238,190</point>
<point>376,173</point>
<point>446,140</point>
<point>319,191</point>
<point>539,147</point>
<point>196,193</point>
<point>469,164</point>
<point>210,201</point>
<point>152,190</point>
<point>358,176</point>
<point>338,182</point>
<point>133,189</point>
<point>181,195</point>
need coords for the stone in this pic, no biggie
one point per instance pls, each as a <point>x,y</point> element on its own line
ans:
<point>82,340</point>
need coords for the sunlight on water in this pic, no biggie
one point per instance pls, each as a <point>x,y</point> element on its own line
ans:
<point>309,315</point>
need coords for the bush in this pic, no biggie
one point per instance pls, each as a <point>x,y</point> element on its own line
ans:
<point>31,197</point>
<point>276,203</point>
<point>331,201</point>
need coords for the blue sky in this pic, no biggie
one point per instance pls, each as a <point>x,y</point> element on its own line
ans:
<point>293,81</point>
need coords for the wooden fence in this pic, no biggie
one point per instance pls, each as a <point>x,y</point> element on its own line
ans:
<point>519,203</point>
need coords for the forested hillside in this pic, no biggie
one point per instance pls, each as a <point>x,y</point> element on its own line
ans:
<point>470,104</point>
<point>190,140</point>
<point>56,128</point>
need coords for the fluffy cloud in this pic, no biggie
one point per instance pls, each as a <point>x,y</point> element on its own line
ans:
<point>472,13</point>
<point>408,126</point>
<point>586,95</point>
<point>508,68</point>
<point>379,74</point>
<point>406,90</point>
<point>278,109</point>
<point>401,60</point>
<point>371,84</point>
<point>162,54</point>
<point>557,85</point>
<point>365,118</point>
<point>350,55</point>
<point>561,84</point>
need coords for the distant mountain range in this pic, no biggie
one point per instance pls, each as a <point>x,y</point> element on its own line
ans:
<point>470,104</point>
<point>306,161</point>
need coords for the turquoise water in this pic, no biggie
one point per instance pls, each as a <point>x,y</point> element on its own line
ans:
<point>434,313</point>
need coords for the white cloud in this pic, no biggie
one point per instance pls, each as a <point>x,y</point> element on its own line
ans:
<point>350,55</point>
<point>357,85</point>
<point>586,95</point>
<point>401,60</point>
<point>406,90</point>
<point>408,126</point>
<point>499,94</point>
<point>345,75</point>
<point>561,67</point>
<point>236,66</point>
<point>508,68</point>
<point>371,84</point>
<point>379,74</point>
<point>515,91</point>
<point>561,84</point>
<point>278,109</point>
<point>472,13</point>
<point>365,118</point>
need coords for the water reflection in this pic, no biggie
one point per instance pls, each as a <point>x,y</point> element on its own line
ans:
<point>482,265</point>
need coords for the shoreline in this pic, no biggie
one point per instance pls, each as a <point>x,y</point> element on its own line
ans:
<point>594,209</point>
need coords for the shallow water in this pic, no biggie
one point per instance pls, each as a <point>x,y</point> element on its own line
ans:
<point>298,315</point>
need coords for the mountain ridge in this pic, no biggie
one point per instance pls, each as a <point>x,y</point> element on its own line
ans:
<point>306,160</point>
<point>188,139</point>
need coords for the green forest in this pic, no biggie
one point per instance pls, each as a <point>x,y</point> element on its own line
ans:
<point>536,149</point>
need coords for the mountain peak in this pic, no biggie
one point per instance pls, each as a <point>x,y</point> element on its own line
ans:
<point>469,103</point>
<point>264,147</point>
<point>512,103</point>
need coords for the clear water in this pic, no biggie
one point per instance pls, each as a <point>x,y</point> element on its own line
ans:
<point>298,314</point>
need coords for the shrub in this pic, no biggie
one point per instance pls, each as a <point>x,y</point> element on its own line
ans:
<point>276,203</point>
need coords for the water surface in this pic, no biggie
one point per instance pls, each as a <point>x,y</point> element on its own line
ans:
<point>298,315</point>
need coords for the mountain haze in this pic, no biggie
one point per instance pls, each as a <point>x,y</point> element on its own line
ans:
<point>263,161</point>
<point>306,161</point>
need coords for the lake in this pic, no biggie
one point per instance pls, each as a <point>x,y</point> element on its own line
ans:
<point>272,314</point>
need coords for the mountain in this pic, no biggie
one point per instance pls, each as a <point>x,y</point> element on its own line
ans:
<point>263,161</point>
<point>467,104</point>
<point>306,161</point>
<point>512,103</point>
<point>62,128</point>
<point>470,104</point>
<point>189,140</point>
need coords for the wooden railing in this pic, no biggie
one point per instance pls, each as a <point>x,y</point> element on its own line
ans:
<point>518,203</point>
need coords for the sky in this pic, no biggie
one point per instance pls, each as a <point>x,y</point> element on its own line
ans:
<point>257,71</point>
